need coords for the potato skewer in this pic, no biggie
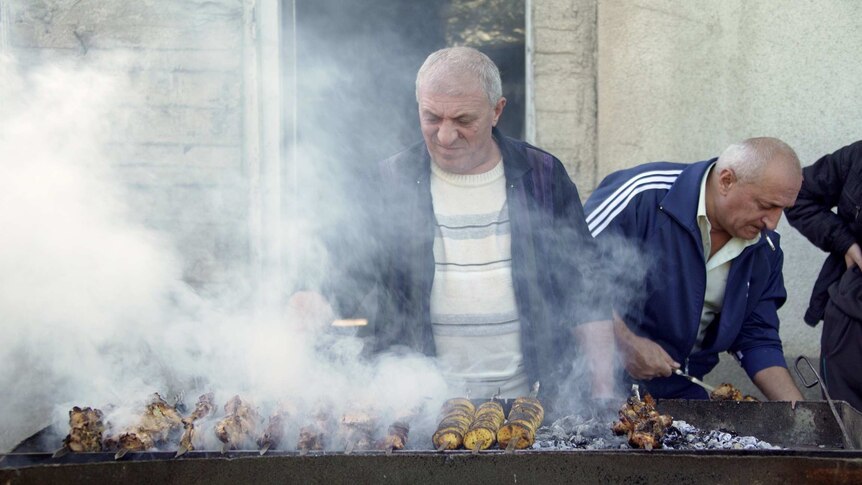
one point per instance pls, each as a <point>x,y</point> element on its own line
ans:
<point>457,416</point>
<point>525,417</point>
<point>483,432</point>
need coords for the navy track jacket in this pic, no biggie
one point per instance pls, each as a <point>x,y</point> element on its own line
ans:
<point>653,207</point>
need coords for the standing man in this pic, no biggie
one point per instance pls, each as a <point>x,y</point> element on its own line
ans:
<point>714,282</point>
<point>836,181</point>
<point>480,245</point>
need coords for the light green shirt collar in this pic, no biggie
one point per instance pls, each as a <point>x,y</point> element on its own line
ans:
<point>732,248</point>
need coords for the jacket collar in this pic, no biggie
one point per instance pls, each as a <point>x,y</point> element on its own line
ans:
<point>681,200</point>
<point>514,156</point>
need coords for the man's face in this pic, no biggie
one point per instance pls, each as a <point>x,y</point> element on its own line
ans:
<point>745,208</point>
<point>457,128</point>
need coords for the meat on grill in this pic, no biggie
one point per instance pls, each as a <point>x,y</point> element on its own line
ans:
<point>156,426</point>
<point>456,417</point>
<point>396,436</point>
<point>726,392</point>
<point>483,432</point>
<point>86,428</point>
<point>358,426</point>
<point>524,419</point>
<point>642,423</point>
<point>274,432</point>
<point>203,408</point>
<point>313,436</point>
<point>239,424</point>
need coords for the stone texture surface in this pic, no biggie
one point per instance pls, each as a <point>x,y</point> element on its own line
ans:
<point>179,147</point>
<point>564,89</point>
<point>680,80</point>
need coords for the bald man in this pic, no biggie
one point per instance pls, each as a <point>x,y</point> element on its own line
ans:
<point>705,234</point>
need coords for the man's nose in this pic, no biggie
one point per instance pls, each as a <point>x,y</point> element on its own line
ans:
<point>770,220</point>
<point>448,134</point>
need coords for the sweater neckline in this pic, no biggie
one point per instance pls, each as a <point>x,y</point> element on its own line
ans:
<point>469,180</point>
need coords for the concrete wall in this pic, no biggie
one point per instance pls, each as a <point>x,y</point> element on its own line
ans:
<point>181,154</point>
<point>679,80</point>
<point>561,74</point>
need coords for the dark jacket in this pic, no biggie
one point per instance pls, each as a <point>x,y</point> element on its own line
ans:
<point>551,251</point>
<point>833,181</point>
<point>654,206</point>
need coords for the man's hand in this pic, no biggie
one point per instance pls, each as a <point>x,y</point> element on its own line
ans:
<point>643,358</point>
<point>853,256</point>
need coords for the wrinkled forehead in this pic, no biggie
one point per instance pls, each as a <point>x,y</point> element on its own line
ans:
<point>778,183</point>
<point>451,83</point>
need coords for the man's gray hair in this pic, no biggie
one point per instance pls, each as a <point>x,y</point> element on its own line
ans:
<point>748,158</point>
<point>461,60</point>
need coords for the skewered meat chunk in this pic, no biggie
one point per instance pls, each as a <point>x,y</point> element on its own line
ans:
<point>313,436</point>
<point>727,392</point>
<point>524,419</point>
<point>274,431</point>
<point>359,429</point>
<point>457,416</point>
<point>238,425</point>
<point>396,438</point>
<point>203,408</point>
<point>483,432</point>
<point>155,427</point>
<point>643,424</point>
<point>86,427</point>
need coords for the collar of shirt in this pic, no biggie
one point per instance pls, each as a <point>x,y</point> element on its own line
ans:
<point>732,248</point>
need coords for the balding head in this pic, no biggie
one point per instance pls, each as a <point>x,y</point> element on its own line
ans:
<point>751,184</point>
<point>749,158</point>
<point>456,70</point>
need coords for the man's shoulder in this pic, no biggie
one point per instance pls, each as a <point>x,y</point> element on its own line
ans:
<point>621,188</point>
<point>407,162</point>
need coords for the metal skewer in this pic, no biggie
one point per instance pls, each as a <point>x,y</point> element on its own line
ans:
<point>694,380</point>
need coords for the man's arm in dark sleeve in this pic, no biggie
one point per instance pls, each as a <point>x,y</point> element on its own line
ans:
<point>821,190</point>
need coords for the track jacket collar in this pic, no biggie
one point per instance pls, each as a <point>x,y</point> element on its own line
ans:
<point>680,202</point>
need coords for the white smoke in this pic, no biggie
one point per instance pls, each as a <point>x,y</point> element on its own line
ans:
<point>93,310</point>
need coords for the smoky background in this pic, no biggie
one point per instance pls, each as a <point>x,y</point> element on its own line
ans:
<point>103,303</point>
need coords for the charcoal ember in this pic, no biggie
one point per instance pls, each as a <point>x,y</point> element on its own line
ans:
<point>683,436</point>
<point>577,432</point>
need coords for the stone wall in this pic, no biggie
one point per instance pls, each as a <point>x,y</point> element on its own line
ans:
<point>181,153</point>
<point>561,55</point>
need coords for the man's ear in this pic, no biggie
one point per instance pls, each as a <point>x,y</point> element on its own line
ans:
<point>726,179</point>
<point>498,110</point>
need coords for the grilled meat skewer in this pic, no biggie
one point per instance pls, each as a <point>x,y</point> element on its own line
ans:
<point>642,423</point>
<point>396,437</point>
<point>85,433</point>
<point>359,427</point>
<point>727,392</point>
<point>238,425</point>
<point>274,431</point>
<point>313,436</point>
<point>155,427</point>
<point>203,408</point>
